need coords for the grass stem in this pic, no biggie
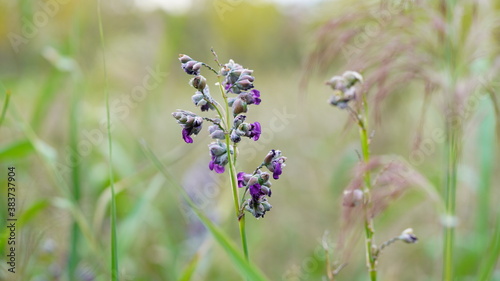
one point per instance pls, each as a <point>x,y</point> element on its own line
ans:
<point>371,260</point>
<point>114,242</point>
<point>5,106</point>
<point>232,175</point>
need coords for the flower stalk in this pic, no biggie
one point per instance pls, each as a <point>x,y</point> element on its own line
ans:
<point>235,84</point>
<point>344,91</point>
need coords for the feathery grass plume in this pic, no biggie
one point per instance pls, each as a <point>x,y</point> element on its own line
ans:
<point>227,129</point>
<point>361,199</point>
<point>448,48</point>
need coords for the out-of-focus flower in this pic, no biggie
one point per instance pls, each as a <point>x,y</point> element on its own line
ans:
<point>408,236</point>
<point>343,88</point>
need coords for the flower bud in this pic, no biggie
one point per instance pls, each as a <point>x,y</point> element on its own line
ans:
<point>253,180</point>
<point>216,132</point>
<point>408,236</point>
<point>238,120</point>
<point>216,149</point>
<point>352,77</point>
<point>197,98</point>
<point>235,137</point>
<point>264,178</point>
<point>184,58</point>
<point>198,82</point>
<point>265,190</point>
<point>337,83</point>
<point>239,106</point>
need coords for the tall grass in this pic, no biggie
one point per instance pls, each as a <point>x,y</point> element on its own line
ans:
<point>5,106</point>
<point>241,261</point>
<point>114,238</point>
<point>75,116</point>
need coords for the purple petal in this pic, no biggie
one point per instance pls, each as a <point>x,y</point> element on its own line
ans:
<point>241,179</point>
<point>277,170</point>
<point>256,131</point>
<point>211,165</point>
<point>255,190</point>
<point>219,169</point>
<point>186,137</point>
<point>256,96</point>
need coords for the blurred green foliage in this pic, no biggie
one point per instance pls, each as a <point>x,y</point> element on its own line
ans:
<point>159,237</point>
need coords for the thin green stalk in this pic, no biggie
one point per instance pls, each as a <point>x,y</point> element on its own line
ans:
<point>371,260</point>
<point>75,182</point>
<point>488,266</point>
<point>73,140</point>
<point>114,243</point>
<point>5,106</point>
<point>450,194</point>
<point>232,175</point>
<point>451,146</point>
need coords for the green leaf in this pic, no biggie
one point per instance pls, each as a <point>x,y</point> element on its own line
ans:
<point>16,149</point>
<point>188,272</point>
<point>246,269</point>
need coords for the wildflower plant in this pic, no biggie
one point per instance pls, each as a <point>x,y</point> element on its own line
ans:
<point>345,94</point>
<point>227,129</point>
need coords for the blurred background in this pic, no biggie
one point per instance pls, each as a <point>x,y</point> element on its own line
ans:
<point>54,134</point>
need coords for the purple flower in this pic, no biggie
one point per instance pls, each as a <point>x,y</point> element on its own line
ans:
<point>191,124</point>
<point>256,97</point>
<point>255,131</point>
<point>214,166</point>
<point>277,170</point>
<point>241,179</point>
<point>189,65</point>
<point>275,163</point>
<point>218,153</point>
<point>186,137</point>
<point>255,191</point>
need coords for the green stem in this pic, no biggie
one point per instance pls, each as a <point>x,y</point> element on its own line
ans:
<point>232,175</point>
<point>243,236</point>
<point>76,232</point>
<point>114,242</point>
<point>371,260</point>
<point>450,194</point>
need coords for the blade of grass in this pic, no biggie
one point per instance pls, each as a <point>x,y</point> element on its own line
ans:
<point>46,98</point>
<point>487,151</point>
<point>114,242</point>
<point>188,272</point>
<point>55,172</point>
<point>5,106</point>
<point>493,252</point>
<point>16,149</point>
<point>246,269</point>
